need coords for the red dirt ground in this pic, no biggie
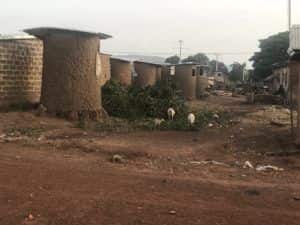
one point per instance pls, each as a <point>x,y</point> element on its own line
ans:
<point>62,175</point>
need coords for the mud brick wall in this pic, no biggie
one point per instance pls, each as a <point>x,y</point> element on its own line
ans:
<point>121,71</point>
<point>21,63</point>
<point>105,68</point>
<point>148,74</point>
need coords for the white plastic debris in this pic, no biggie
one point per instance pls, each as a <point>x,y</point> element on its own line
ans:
<point>248,164</point>
<point>117,159</point>
<point>208,162</point>
<point>216,116</point>
<point>210,125</point>
<point>268,168</point>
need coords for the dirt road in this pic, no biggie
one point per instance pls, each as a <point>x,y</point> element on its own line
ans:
<point>52,173</point>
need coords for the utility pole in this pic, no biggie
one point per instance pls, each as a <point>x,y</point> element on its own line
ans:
<point>180,49</point>
<point>289,14</point>
<point>217,62</point>
<point>291,85</point>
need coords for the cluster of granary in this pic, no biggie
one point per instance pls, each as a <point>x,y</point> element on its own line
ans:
<point>60,57</point>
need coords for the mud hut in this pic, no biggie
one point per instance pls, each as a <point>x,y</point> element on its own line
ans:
<point>186,79</point>
<point>168,72</point>
<point>104,68</point>
<point>69,83</point>
<point>202,80</point>
<point>121,71</point>
<point>147,73</point>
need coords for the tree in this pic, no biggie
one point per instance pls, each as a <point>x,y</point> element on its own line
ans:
<point>237,70</point>
<point>221,67</point>
<point>272,50</point>
<point>173,59</point>
<point>200,58</point>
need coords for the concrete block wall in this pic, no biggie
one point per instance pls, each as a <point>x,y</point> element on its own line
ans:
<point>21,63</point>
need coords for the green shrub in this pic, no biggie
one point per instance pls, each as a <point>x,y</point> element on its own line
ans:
<point>135,102</point>
<point>139,106</point>
<point>115,99</point>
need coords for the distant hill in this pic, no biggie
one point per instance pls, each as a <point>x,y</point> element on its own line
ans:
<point>151,59</point>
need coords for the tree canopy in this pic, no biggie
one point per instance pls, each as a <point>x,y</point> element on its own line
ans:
<point>221,67</point>
<point>272,50</point>
<point>200,58</point>
<point>237,70</point>
<point>173,59</point>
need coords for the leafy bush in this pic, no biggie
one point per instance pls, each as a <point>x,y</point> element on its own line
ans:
<point>140,105</point>
<point>135,102</point>
<point>115,99</point>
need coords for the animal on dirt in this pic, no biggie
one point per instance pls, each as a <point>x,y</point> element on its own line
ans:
<point>41,110</point>
<point>191,119</point>
<point>158,122</point>
<point>171,113</point>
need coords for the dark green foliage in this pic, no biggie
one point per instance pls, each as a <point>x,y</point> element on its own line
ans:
<point>26,131</point>
<point>236,73</point>
<point>135,102</point>
<point>115,99</point>
<point>221,67</point>
<point>200,58</point>
<point>135,108</point>
<point>180,123</point>
<point>173,59</point>
<point>272,50</point>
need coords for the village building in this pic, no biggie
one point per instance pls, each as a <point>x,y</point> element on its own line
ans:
<point>70,81</point>
<point>192,79</point>
<point>147,73</point>
<point>104,68</point>
<point>218,80</point>
<point>168,72</point>
<point>21,61</point>
<point>202,80</point>
<point>278,78</point>
<point>121,71</point>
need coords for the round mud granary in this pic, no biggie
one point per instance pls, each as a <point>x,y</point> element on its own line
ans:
<point>202,84</point>
<point>121,71</point>
<point>202,80</point>
<point>70,86</point>
<point>148,73</point>
<point>186,78</point>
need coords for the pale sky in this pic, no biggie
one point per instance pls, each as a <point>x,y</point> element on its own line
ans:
<point>153,27</point>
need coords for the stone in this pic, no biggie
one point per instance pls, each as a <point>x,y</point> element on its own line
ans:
<point>117,159</point>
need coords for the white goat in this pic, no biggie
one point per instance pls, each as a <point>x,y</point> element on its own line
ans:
<point>191,119</point>
<point>171,113</point>
<point>158,122</point>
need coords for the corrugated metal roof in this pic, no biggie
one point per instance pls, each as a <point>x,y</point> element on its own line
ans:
<point>149,63</point>
<point>120,59</point>
<point>43,31</point>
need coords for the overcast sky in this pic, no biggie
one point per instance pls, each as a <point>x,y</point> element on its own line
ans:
<point>155,26</point>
